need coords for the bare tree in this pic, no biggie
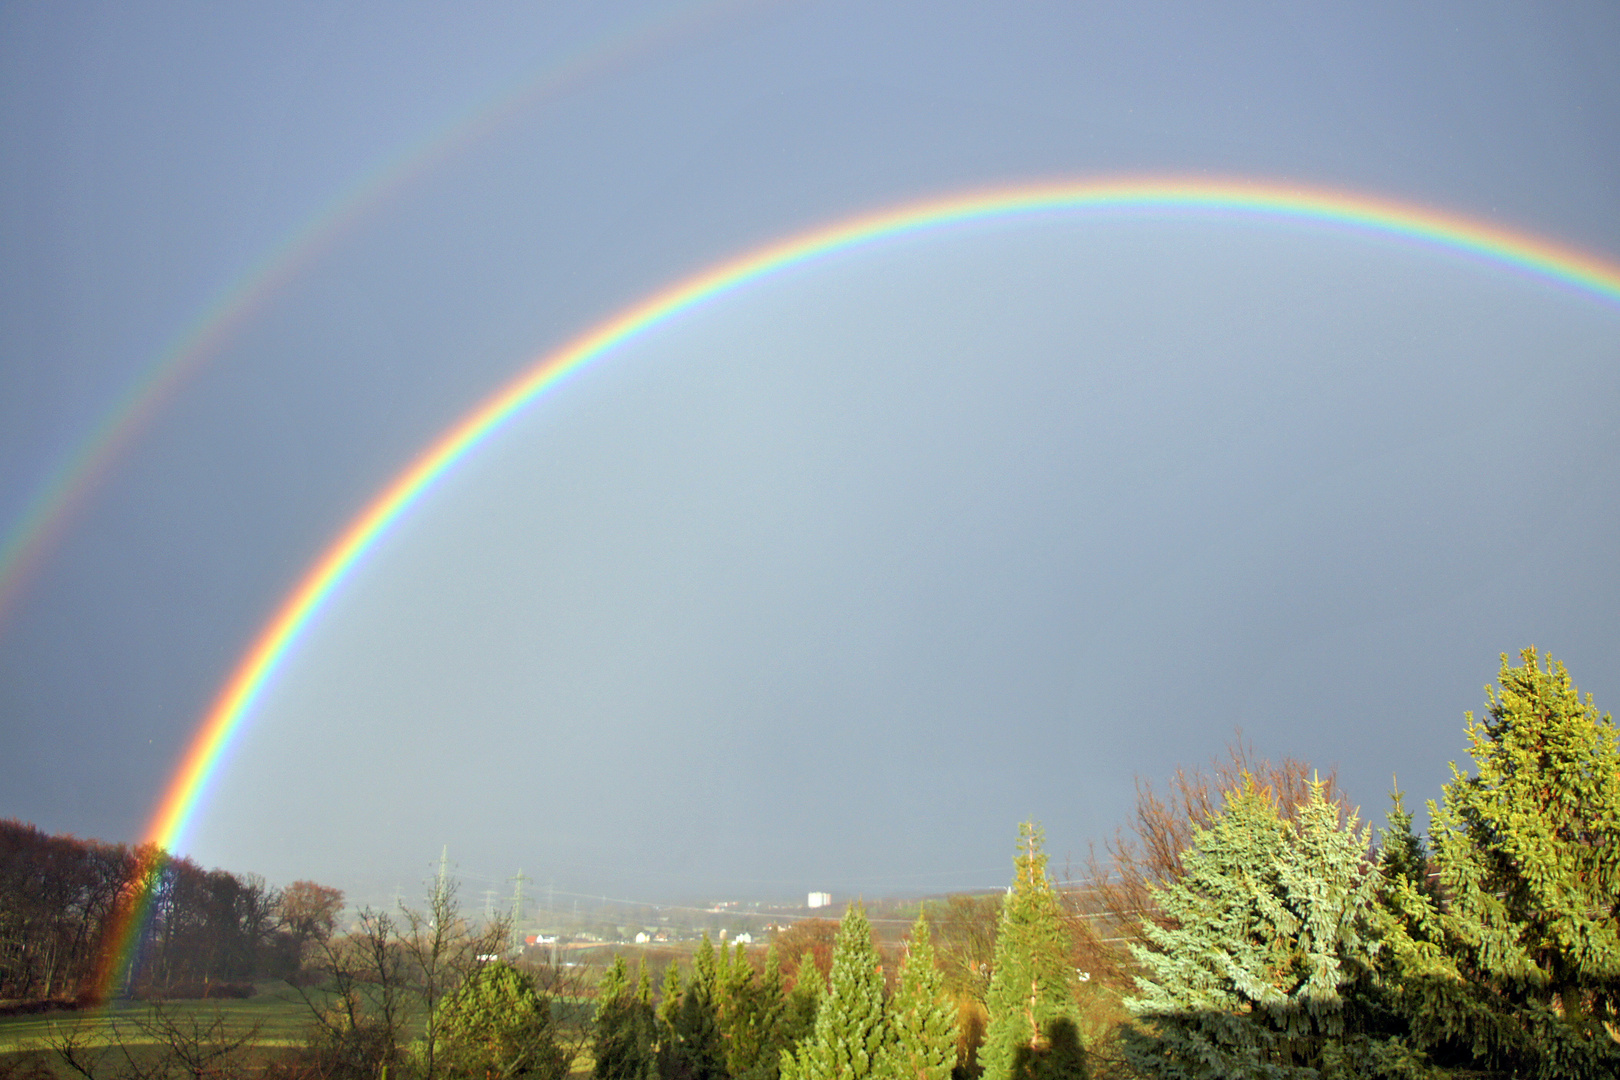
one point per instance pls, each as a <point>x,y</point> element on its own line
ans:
<point>443,952</point>
<point>364,1002</point>
<point>569,989</point>
<point>1118,897</point>
<point>388,978</point>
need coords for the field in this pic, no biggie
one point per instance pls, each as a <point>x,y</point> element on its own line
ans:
<point>279,1013</point>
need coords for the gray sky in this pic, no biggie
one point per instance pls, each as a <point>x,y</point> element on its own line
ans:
<point>832,583</point>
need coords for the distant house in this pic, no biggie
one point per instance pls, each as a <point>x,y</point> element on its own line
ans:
<point>642,938</point>
<point>819,899</point>
<point>745,938</point>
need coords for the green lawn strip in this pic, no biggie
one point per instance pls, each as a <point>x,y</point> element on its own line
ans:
<point>281,1015</point>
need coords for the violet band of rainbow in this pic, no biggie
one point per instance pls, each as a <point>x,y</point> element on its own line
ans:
<point>1533,256</point>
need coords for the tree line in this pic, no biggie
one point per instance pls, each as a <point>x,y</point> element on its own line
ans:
<point>1275,937</point>
<point>63,899</point>
<point>1249,925</point>
<point>1252,926</point>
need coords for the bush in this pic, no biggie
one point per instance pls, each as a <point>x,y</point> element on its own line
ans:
<point>496,1026</point>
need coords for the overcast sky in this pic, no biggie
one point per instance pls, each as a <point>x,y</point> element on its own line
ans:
<point>830,584</point>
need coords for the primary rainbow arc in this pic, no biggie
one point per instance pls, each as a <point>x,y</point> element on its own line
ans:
<point>1530,255</point>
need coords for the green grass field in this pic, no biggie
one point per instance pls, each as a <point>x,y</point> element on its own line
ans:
<point>281,1017</point>
<point>279,1013</point>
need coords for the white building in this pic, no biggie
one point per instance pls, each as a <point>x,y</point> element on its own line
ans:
<point>819,899</point>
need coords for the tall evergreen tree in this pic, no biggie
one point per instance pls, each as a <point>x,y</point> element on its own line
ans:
<point>922,1016</point>
<point>851,1025</point>
<point>1520,972</point>
<point>666,1017</point>
<point>803,1003</point>
<point>699,1052</point>
<point>755,1036</point>
<point>1401,855</point>
<point>1033,1031</point>
<point>624,1042</point>
<point>1269,953</point>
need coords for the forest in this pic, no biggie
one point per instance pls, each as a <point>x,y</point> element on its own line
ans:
<point>1245,923</point>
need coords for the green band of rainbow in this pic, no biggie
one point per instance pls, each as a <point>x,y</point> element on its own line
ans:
<point>1530,255</point>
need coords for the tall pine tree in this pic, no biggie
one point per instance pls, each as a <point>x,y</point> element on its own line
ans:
<point>922,1016</point>
<point>753,1022</point>
<point>699,1052</point>
<point>1033,1032</point>
<point>624,1043</point>
<point>851,1025</point>
<point>666,1017</point>
<point>803,1003</point>
<point>1520,972</point>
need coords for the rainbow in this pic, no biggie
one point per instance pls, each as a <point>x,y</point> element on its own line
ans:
<point>53,506</point>
<point>1535,258</point>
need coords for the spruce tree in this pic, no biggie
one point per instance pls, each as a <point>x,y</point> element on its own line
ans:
<point>1520,972</point>
<point>1267,955</point>
<point>699,1053</point>
<point>1401,855</point>
<point>851,1025</point>
<point>922,1016</point>
<point>612,993</point>
<point>668,1012</point>
<point>644,1024</point>
<point>1033,1031</point>
<point>754,1028</point>
<point>624,1043</point>
<point>803,1003</point>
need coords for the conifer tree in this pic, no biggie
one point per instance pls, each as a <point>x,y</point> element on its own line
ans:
<point>738,1007</point>
<point>1520,972</point>
<point>755,1036</point>
<point>1268,956</point>
<point>699,1053</point>
<point>644,1024</point>
<point>624,1043</point>
<point>1033,1031</point>
<point>803,1003</point>
<point>922,1016</point>
<point>611,994</point>
<point>851,1025</point>
<point>669,998</point>
<point>668,1012</point>
<point>1401,855</point>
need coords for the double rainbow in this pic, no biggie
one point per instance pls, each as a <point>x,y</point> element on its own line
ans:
<point>1528,255</point>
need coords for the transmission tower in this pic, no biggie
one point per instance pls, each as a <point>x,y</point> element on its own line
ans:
<point>517,895</point>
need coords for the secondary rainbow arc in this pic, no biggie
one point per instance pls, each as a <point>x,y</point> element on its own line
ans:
<point>1536,257</point>
<point>46,516</point>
